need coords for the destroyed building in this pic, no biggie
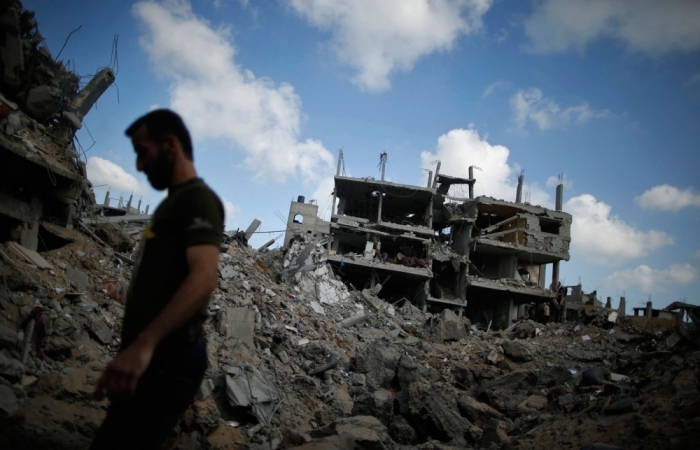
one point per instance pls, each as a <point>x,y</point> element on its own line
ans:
<point>43,179</point>
<point>477,255</point>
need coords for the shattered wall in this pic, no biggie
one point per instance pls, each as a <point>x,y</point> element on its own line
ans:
<point>42,175</point>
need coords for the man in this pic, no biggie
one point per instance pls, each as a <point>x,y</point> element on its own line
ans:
<point>162,359</point>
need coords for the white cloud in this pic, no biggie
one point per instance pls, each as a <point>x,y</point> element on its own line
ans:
<point>381,37</point>
<point>531,105</point>
<point>647,280</point>
<point>553,181</point>
<point>695,79</point>
<point>231,211</point>
<point>606,239</point>
<point>102,171</point>
<point>221,100</point>
<point>668,198</point>
<point>652,27</point>
<point>490,89</point>
<point>460,148</point>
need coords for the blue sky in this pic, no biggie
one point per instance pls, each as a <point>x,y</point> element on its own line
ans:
<point>606,93</point>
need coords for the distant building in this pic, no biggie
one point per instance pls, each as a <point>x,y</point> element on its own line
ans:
<point>484,257</point>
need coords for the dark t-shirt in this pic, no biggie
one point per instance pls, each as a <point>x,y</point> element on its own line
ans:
<point>191,214</point>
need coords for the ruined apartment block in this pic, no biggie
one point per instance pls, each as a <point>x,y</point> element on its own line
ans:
<point>479,256</point>
<point>44,181</point>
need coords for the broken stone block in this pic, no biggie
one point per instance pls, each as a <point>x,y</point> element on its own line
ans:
<point>495,356</point>
<point>401,431</point>
<point>8,337</point>
<point>379,404</point>
<point>115,236</point>
<point>533,402</point>
<point>476,411</point>
<point>379,361</point>
<point>227,272</point>
<point>354,320</point>
<point>435,410</point>
<point>8,401</point>
<point>516,351</point>
<point>237,324</point>
<point>449,327</point>
<point>10,368</point>
<point>367,431</point>
<point>494,433</point>
<point>43,101</point>
<point>101,331</point>
<point>507,391</point>
<point>78,277</point>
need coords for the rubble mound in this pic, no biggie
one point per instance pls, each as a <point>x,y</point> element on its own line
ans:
<point>398,379</point>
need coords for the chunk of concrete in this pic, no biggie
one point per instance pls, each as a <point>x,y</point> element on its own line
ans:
<point>401,431</point>
<point>379,361</point>
<point>205,389</point>
<point>10,367</point>
<point>43,101</point>
<point>237,324</point>
<point>446,327</point>
<point>477,411</point>
<point>8,401</point>
<point>101,331</point>
<point>8,337</point>
<point>78,277</point>
<point>115,236</point>
<point>379,404</point>
<point>494,433</point>
<point>516,351</point>
<point>533,402</point>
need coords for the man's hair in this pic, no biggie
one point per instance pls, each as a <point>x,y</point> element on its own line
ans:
<point>162,123</point>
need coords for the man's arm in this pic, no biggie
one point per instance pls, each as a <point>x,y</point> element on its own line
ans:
<point>123,372</point>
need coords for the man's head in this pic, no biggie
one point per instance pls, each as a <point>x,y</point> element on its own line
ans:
<point>161,141</point>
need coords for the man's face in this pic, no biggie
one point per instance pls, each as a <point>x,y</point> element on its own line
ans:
<point>153,159</point>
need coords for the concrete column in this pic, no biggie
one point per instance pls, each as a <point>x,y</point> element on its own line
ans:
<point>555,274</point>
<point>106,203</point>
<point>72,214</point>
<point>560,196</point>
<point>383,155</point>
<point>519,191</point>
<point>437,172</point>
<point>460,238</point>
<point>471,185</point>
<point>430,178</point>
<point>608,303</point>
<point>335,196</point>
<point>138,207</point>
<point>648,311</point>
<point>90,93</point>
<point>622,307</point>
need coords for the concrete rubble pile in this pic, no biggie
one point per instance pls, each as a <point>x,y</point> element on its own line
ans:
<point>299,359</point>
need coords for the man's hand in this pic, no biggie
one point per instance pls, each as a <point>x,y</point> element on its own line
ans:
<point>121,375</point>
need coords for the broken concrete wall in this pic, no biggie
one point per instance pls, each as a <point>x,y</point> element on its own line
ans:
<point>303,220</point>
<point>42,177</point>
